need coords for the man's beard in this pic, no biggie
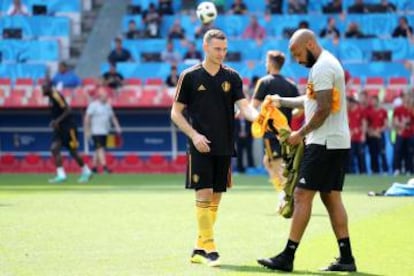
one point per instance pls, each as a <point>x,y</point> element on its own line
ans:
<point>310,59</point>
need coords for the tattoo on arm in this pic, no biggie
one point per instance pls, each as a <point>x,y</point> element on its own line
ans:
<point>324,102</point>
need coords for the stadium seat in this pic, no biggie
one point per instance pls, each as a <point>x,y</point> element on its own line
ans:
<point>355,83</point>
<point>132,82</point>
<point>112,162</point>
<point>14,100</point>
<point>79,98</point>
<point>131,163</point>
<point>49,164</point>
<point>5,85</point>
<point>126,98</point>
<point>89,81</point>
<point>179,164</point>
<point>154,81</point>
<point>398,81</point>
<point>165,101</point>
<point>148,97</point>
<point>32,162</point>
<point>157,164</point>
<point>24,84</point>
<point>374,83</point>
<point>3,93</point>
<point>372,92</point>
<point>9,164</point>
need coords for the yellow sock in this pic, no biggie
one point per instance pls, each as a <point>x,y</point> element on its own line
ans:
<point>213,213</point>
<point>205,238</point>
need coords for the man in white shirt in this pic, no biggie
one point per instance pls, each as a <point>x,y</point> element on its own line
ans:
<point>99,116</point>
<point>17,8</point>
<point>327,138</point>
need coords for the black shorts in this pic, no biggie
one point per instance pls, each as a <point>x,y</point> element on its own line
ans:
<point>67,136</point>
<point>99,141</point>
<point>272,148</point>
<point>208,172</point>
<point>323,169</point>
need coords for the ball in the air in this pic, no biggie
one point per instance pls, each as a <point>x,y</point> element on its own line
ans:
<point>206,12</point>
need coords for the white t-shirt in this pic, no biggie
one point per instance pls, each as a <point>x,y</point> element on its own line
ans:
<point>100,114</point>
<point>327,73</point>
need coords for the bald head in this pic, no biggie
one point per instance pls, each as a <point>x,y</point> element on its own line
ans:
<point>301,37</point>
<point>304,47</point>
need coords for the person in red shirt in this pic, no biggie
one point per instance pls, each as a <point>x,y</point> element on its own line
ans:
<point>357,127</point>
<point>403,123</point>
<point>377,122</point>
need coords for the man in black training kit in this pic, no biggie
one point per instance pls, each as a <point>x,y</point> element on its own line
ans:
<point>64,134</point>
<point>208,92</point>
<point>274,83</point>
<point>325,157</point>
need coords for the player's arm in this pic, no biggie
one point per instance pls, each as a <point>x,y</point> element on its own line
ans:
<point>247,110</point>
<point>324,103</point>
<point>87,125</point>
<point>115,122</point>
<point>200,141</point>
<point>291,102</point>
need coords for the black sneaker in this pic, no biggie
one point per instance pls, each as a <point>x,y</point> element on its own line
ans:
<point>199,256</point>
<point>213,259</point>
<point>278,262</point>
<point>108,171</point>
<point>94,170</point>
<point>340,265</point>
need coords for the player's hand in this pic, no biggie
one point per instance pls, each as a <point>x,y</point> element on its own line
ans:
<point>201,142</point>
<point>118,130</point>
<point>273,100</point>
<point>295,138</point>
<point>53,124</point>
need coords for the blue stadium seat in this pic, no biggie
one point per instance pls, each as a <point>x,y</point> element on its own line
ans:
<point>52,6</point>
<point>38,26</point>
<point>14,71</point>
<point>33,50</point>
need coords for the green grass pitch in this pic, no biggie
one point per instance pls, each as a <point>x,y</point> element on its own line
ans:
<point>145,225</point>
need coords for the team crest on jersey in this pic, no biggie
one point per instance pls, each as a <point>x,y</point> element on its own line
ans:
<point>196,178</point>
<point>226,86</point>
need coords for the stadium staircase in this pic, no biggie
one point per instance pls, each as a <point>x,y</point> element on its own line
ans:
<point>105,28</point>
<point>88,18</point>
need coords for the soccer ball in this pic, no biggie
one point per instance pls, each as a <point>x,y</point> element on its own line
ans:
<point>206,12</point>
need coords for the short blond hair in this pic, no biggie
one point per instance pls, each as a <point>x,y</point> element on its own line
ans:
<point>214,33</point>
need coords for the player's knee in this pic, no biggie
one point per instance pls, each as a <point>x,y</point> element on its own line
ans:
<point>302,197</point>
<point>204,194</point>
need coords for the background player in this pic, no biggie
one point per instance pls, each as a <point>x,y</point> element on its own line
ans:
<point>271,84</point>
<point>64,134</point>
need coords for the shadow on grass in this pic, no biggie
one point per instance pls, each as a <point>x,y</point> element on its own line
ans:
<point>260,269</point>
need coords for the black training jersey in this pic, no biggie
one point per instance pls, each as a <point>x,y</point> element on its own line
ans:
<point>276,84</point>
<point>57,106</point>
<point>210,104</point>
